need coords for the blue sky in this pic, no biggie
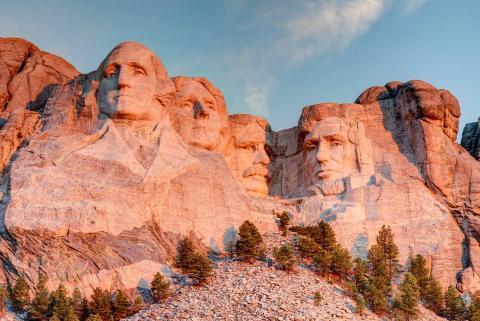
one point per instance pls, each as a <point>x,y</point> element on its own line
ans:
<point>272,57</point>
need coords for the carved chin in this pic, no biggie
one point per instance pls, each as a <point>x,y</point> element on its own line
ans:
<point>256,185</point>
<point>332,187</point>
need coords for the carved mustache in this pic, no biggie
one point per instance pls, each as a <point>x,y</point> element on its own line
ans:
<point>256,170</point>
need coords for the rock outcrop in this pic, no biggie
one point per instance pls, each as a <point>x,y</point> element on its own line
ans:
<point>471,139</point>
<point>127,160</point>
<point>28,77</point>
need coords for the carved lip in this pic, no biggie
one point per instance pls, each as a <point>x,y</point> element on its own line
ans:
<point>325,172</point>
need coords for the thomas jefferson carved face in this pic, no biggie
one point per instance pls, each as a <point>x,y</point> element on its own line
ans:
<point>200,115</point>
<point>329,154</point>
<point>251,155</point>
<point>128,83</point>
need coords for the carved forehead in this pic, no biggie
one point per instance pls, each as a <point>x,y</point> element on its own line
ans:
<point>184,85</point>
<point>249,129</point>
<point>330,126</point>
<point>131,51</point>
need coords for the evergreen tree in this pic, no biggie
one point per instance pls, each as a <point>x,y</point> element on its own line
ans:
<point>453,305</point>
<point>78,304</point>
<point>322,262</point>
<point>20,295</point>
<point>433,295</point>
<point>406,301</point>
<point>94,317</point>
<point>137,305</point>
<point>200,268</point>
<point>307,247</point>
<point>40,303</point>
<point>341,261</point>
<point>185,251</point>
<point>317,298</point>
<point>3,299</point>
<point>360,302</point>
<point>284,257</point>
<point>388,250</point>
<point>474,309</point>
<point>378,289</point>
<point>60,303</point>
<point>322,234</point>
<point>121,305</point>
<point>418,267</point>
<point>100,304</point>
<point>160,288</point>
<point>360,270</point>
<point>250,244</point>
<point>71,315</point>
<point>283,222</point>
<point>54,317</point>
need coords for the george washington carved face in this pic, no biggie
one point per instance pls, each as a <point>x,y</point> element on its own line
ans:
<point>250,159</point>
<point>200,115</point>
<point>131,81</point>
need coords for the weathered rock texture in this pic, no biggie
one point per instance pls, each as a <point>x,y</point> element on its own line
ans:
<point>127,160</point>
<point>28,77</point>
<point>471,139</point>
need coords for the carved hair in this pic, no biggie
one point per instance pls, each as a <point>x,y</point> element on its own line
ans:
<point>182,81</point>
<point>246,119</point>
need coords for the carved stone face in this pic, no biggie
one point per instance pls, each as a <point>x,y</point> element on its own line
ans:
<point>328,151</point>
<point>251,156</point>
<point>128,84</point>
<point>198,118</point>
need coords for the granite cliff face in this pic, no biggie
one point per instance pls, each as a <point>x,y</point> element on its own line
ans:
<point>125,160</point>
<point>471,139</point>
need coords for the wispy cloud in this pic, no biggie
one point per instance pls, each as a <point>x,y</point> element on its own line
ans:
<point>300,31</point>
<point>410,6</point>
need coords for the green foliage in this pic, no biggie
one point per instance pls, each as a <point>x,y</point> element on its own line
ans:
<point>160,288</point>
<point>54,317</point>
<point>100,304</point>
<point>341,263</point>
<point>360,277</point>
<point>418,267</point>
<point>79,304</point>
<point>360,302</point>
<point>284,257</point>
<point>3,299</point>
<point>137,305</point>
<point>19,295</point>
<point>321,233</point>
<point>433,295</point>
<point>40,302</point>
<point>94,317</point>
<point>386,250</point>
<point>307,247</point>
<point>406,301</point>
<point>283,222</point>
<point>375,293</point>
<point>454,307</point>
<point>60,305</point>
<point>196,265</point>
<point>474,309</point>
<point>250,244</point>
<point>322,262</point>
<point>317,298</point>
<point>120,305</point>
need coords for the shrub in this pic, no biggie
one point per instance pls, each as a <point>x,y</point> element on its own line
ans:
<point>307,247</point>
<point>341,263</point>
<point>283,222</point>
<point>196,265</point>
<point>160,287</point>
<point>250,244</point>
<point>284,257</point>
<point>317,298</point>
<point>322,262</point>
<point>322,234</point>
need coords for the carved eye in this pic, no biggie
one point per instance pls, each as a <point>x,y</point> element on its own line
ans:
<point>336,143</point>
<point>187,104</point>
<point>109,73</point>
<point>139,72</point>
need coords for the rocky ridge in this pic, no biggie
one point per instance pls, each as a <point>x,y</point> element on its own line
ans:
<point>471,138</point>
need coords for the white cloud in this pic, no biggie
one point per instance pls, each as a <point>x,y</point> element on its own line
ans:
<point>300,31</point>
<point>410,6</point>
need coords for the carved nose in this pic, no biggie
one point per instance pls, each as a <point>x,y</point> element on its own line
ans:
<point>200,111</point>
<point>123,79</point>
<point>323,154</point>
<point>261,157</point>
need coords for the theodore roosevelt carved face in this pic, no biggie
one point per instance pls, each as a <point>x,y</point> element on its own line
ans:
<point>201,115</point>
<point>132,83</point>
<point>250,159</point>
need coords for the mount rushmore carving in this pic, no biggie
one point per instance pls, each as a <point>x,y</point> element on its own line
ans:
<point>122,162</point>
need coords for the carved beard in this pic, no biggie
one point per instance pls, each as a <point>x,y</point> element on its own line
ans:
<point>332,187</point>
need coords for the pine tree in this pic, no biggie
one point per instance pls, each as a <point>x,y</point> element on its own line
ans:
<point>137,305</point>
<point>94,317</point>
<point>453,305</point>
<point>418,267</point>
<point>250,244</point>
<point>71,315</point>
<point>185,250</point>
<point>60,303</point>
<point>389,250</point>
<point>433,295</point>
<point>322,262</point>
<point>283,222</point>
<point>317,298</point>
<point>160,288</point>
<point>360,270</point>
<point>54,317</point>
<point>341,261</point>
<point>3,299</point>
<point>474,309</point>
<point>121,305</point>
<point>360,302</point>
<point>40,303</point>
<point>100,304</point>
<point>284,257</point>
<point>200,268</point>
<point>20,295</point>
<point>307,247</point>
<point>322,234</point>
<point>78,304</point>
<point>406,301</point>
